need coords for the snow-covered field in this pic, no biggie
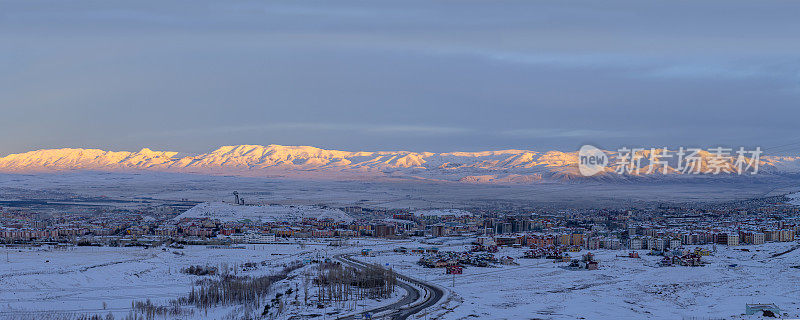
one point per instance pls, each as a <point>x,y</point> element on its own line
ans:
<point>101,280</point>
<point>622,288</point>
<point>104,279</point>
<point>141,187</point>
<point>82,280</point>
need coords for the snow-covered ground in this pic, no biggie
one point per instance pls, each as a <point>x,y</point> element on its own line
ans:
<point>100,280</point>
<point>795,198</point>
<point>231,212</point>
<point>622,288</point>
<point>146,189</point>
<point>442,212</point>
<point>104,279</point>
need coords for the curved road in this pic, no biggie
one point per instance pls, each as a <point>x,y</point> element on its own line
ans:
<point>401,311</point>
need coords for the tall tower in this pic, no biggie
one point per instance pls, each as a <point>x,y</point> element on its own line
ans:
<point>236,194</point>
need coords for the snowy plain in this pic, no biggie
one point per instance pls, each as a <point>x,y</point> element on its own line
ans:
<point>38,281</point>
<point>106,280</point>
<point>623,288</point>
<point>138,190</point>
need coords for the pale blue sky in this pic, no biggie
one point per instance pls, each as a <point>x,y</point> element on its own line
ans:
<point>422,75</point>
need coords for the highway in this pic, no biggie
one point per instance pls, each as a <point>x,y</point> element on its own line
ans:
<point>400,310</point>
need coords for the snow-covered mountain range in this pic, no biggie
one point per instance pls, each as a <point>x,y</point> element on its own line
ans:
<point>503,166</point>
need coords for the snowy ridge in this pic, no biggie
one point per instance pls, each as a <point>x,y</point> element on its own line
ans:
<point>502,166</point>
<point>275,213</point>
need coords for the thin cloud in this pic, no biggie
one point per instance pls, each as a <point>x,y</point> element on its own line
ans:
<point>309,126</point>
<point>562,133</point>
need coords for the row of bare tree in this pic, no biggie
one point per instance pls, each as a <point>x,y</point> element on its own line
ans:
<point>336,283</point>
<point>229,290</point>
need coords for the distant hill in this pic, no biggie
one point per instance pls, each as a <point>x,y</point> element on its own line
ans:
<point>486,167</point>
<point>230,212</point>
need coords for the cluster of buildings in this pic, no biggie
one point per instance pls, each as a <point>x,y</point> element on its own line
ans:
<point>586,262</point>
<point>662,237</point>
<point>446,259</point>
<point>21,227</point>
<point>660,229</point>
<point>683,258</point>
